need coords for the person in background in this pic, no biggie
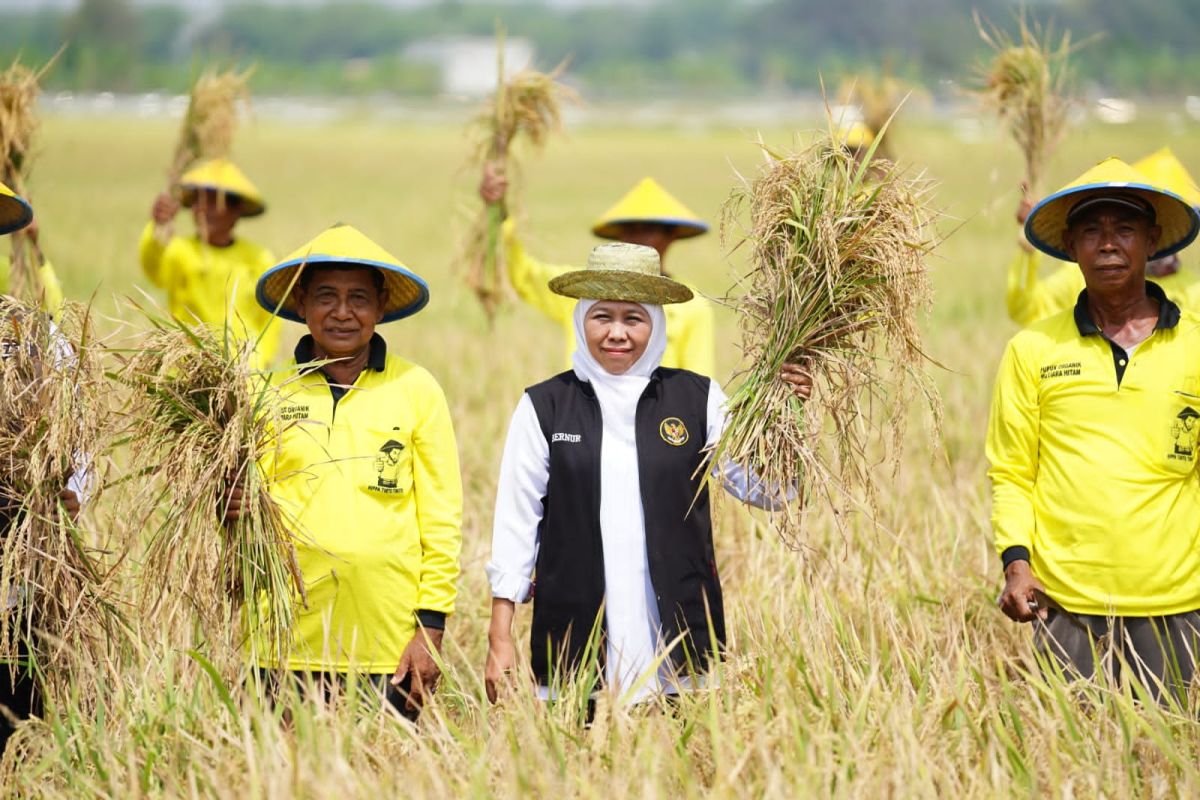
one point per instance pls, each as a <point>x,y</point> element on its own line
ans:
<point>647,215</point>
<point>1093,452</point>
<point>1031,297</point>
<point>210,277</point>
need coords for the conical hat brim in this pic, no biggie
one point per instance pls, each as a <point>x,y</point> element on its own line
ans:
<point>407,292</point>
<point>1165,170</point>
<point>15,213</point>
<point>1047,221</point>
<point>221,175</point>
<point>629,287</point>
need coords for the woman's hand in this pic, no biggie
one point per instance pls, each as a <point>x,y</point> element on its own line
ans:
<point>494,185</point>
<point>798,377</point>
<point>165,208</point>
<point>501,665</point>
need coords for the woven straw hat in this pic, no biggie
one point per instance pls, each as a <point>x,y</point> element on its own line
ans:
<point>1165,170</point>
<point>221,175</point>
<point>343,245</point>
<point>15,213</point>
<point>1114,178</point>
<point>618,271</point>
<point>649,202</point>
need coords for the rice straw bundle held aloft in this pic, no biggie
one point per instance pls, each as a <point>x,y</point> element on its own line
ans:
<point>1025,85</point>
<point>836,281</point>
<point>202,421</point>
<point>526,107</point>
<point>208,125</point>
<point>879,96</point>
<point>54,429</point>
<point>19,91</point>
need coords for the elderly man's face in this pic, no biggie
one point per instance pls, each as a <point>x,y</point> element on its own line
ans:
<point>1111,244</point>
<point>341,308</point>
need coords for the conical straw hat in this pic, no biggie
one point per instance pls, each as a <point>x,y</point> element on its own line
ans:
<point>620,271</point>
<point>222,175</point>
<point>15,213</point>
<point>346,246</point>
<point>649,202</point>
<point>1165,170</point>
<point>1047,221</point>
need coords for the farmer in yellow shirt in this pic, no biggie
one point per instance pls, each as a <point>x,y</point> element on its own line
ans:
<point>366,470</point>
<point>48,285</point>
<point>210,277</point>
<point>1031,297</point>
<point>1096,495</point>
<point>647,215</point>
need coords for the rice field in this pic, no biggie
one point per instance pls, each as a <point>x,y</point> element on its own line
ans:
<point>872,662</point>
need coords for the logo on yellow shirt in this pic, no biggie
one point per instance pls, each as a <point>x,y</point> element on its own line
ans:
<point>1185,431</point>
<point>389,465</point>
<point>673,431</point>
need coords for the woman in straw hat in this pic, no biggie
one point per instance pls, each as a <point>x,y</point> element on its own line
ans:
<point>210,277</point>
<point>647,215</point>
<point>1031,297</point>
<point>366,471</point>
<point>19,216</point>
<point>602,492</point>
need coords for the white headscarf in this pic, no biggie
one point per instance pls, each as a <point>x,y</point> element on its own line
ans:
<point>619,394</point>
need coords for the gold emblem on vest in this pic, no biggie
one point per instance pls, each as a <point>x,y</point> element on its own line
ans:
<point>673,431</point>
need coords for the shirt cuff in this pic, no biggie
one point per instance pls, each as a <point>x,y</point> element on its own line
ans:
<point>1014,553</point>
<point>434,620</point>
<point>508,586</point>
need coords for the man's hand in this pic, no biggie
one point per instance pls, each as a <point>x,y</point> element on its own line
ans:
<point>233,504</point>
<point>165,208</point>
<point>70,503</point>
<point>1026,204</point>
<point>494,184</point>
<point>501,665</point>
<point>1019,585</point>
<point>418,664</point>
<point>798,377</point>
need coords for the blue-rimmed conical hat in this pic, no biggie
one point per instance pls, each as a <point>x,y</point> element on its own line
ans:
<point>15,213</point>
<point>343,245</point>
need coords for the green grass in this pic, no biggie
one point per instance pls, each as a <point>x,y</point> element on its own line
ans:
<point>871,663</point>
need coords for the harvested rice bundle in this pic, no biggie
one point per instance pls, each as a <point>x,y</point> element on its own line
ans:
<point>1026,86</point>
<point>19,89</point>
<point>54,427</point>
<point>208,125</point>
<point>201,422</point>
<point>879,96</point>
<point>836,281</point>
<point>527,106</point>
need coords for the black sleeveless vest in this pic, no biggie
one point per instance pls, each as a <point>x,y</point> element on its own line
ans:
<point>670,427</point>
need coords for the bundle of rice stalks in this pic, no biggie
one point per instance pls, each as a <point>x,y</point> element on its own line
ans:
<point>19,90</point>
<point>1026,86</point>
<point>201,423</point>
<point>836,282</point>
<point>54,430</point>
<point>208,125</point>
<point>526,107</point>
<point>879,96</point>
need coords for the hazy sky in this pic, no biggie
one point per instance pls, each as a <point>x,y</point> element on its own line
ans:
<point>209,4</point>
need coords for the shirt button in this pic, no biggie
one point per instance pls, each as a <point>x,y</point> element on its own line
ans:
<point>1121,362</point>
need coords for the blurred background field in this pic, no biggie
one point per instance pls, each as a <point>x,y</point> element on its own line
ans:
<point>871,663</point>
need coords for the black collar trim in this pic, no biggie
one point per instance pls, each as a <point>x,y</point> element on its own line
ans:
<point>376,358</point>
<point>1168,312</point>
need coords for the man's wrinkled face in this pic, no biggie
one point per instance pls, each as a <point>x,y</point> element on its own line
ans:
<point>341,308</point>
<point>1111,243</point>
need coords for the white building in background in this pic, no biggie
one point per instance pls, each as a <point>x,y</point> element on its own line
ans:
<point>468,63</point>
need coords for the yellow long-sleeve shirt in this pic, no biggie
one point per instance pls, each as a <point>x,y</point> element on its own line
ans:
<point>371,484</point>
<point>51,289</point>
<point>214,285</point>
<point>1030,297</point>
<point>689,325</point>
<point>1093,463</point>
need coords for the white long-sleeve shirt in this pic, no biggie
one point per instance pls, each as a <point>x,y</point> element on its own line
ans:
<point>634,630</point>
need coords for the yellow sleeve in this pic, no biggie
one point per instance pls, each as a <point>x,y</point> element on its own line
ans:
<point>437,488</point>
<point>52,293</point>
<point>1030,297</point>
<point>150,251</point>
<point>1012,451</point>
<point>530,277</point>
<point>696,349</point>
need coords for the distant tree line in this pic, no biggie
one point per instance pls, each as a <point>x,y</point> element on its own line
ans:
<point>674,46</point>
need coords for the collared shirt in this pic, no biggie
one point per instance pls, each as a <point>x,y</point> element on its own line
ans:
<point>367,476</point>
<point>1093,462</point>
